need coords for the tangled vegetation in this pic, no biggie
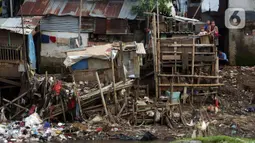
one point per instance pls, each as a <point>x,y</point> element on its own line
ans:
<point>151,5</point>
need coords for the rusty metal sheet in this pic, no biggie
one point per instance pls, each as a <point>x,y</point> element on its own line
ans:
<point>71,8</point>
<point>113,9</point>
<point>87,24</point>
<point>27,7</point>
<point>100,27</point>
<point>116,26</point>
<point>54,7</point>
<point>98,9</point>
<point>39,7</point>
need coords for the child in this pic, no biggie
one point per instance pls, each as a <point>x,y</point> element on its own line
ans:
<point>202,32</point>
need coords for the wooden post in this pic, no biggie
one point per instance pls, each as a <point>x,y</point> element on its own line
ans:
<point>77,97</point>
<point>46,82</point>
<point>193,56</point>
<point>175,60</point>
<point>122,64</point>
<point>114,87</point>
<point>158,18</point>
<point>193,67</point>
<point>102,94</point>
<point>79,34</point>
<point>155,55</point>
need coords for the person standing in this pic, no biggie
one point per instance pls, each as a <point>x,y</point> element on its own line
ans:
<point>215,33</point>
<point>207,27</point>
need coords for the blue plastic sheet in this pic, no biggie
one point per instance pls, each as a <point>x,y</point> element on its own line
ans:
<point>32,56</point>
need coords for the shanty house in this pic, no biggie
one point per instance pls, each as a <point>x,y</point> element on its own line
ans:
<point>18,43</point>
<point>101,21</point>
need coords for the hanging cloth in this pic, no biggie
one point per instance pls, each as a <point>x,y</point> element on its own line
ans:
<point>45,38</point>
<point>53,39</point>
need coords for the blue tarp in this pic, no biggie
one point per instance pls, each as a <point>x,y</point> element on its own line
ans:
<point>32,56</point>
<point>81,65</point>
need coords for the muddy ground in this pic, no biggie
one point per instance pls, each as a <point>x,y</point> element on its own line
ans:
<point>235,97</point>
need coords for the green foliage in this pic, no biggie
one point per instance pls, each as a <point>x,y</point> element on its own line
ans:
<point>151,5</point>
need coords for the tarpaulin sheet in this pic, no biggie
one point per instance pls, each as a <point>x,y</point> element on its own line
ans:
<point>32,56</point>
<point>100,52</point>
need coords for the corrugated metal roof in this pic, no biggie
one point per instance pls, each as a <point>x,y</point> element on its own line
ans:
<point>111,9</point>
<point>126,10</point>
<point>15,24</point>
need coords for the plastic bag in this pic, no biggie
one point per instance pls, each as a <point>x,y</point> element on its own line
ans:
<point>33,119</point>
<point>3,118</point>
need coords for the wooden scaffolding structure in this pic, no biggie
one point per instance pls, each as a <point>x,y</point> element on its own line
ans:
<point>184,64</point>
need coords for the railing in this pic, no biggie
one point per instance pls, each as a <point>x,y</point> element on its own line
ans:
<point>10,53</point>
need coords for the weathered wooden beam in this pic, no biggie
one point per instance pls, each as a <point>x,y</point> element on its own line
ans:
<point>191,85</point>
<point>187,45</point>
<point>10,82</point>
<point>195,76</point>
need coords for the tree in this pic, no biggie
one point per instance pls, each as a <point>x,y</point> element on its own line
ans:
<point>151,5</point>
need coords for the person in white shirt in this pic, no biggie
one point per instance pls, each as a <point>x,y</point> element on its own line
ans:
<point>202,32</point>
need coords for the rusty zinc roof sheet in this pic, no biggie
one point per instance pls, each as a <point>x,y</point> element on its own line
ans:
<point>110,9</point>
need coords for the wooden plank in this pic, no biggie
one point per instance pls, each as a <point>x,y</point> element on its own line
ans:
<point>187,45</point>
<point>204,58</point>
<point>195,76</point>
<point>191,85</point>
<point>10,82</point>
<point>102,94</point>
<point>155,54</point>
<point>171,57</point>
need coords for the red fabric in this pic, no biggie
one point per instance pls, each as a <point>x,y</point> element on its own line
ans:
<point>32,110</point>
<point>53,39</point>
<point>216,102</point>
<point>71,104</point>
<point>57,87</point>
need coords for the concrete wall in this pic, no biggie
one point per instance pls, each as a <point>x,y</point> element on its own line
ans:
<point>52,55</point>
<point>242,41</point>
<point>245,4</point>
<point>242,46</point>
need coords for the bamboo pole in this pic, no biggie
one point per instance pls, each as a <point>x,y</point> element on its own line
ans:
<point>78,97</point>
<point>190,85</point>
<point>158,19</point>
<point>154,55</point>
<point>114,86</point>
<point>102,94</point>
<point>79,34</point>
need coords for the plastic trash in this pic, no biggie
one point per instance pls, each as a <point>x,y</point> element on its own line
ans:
<point>33,119</point>
<point>3,118</point>
<point>96,119</point>
<point>46,125</point>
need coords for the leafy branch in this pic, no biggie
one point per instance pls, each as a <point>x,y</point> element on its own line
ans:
<point>151,5</point>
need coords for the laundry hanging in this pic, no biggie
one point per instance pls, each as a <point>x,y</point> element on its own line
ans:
<point>210,5</point>
<point>53,39</point>
<point>45,38</point>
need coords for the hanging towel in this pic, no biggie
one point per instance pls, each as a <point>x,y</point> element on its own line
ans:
<point>32,54</point>
<point>45,38</point>
<point>214,5</point>
<point>205,6</point>
<point>53,39</point>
